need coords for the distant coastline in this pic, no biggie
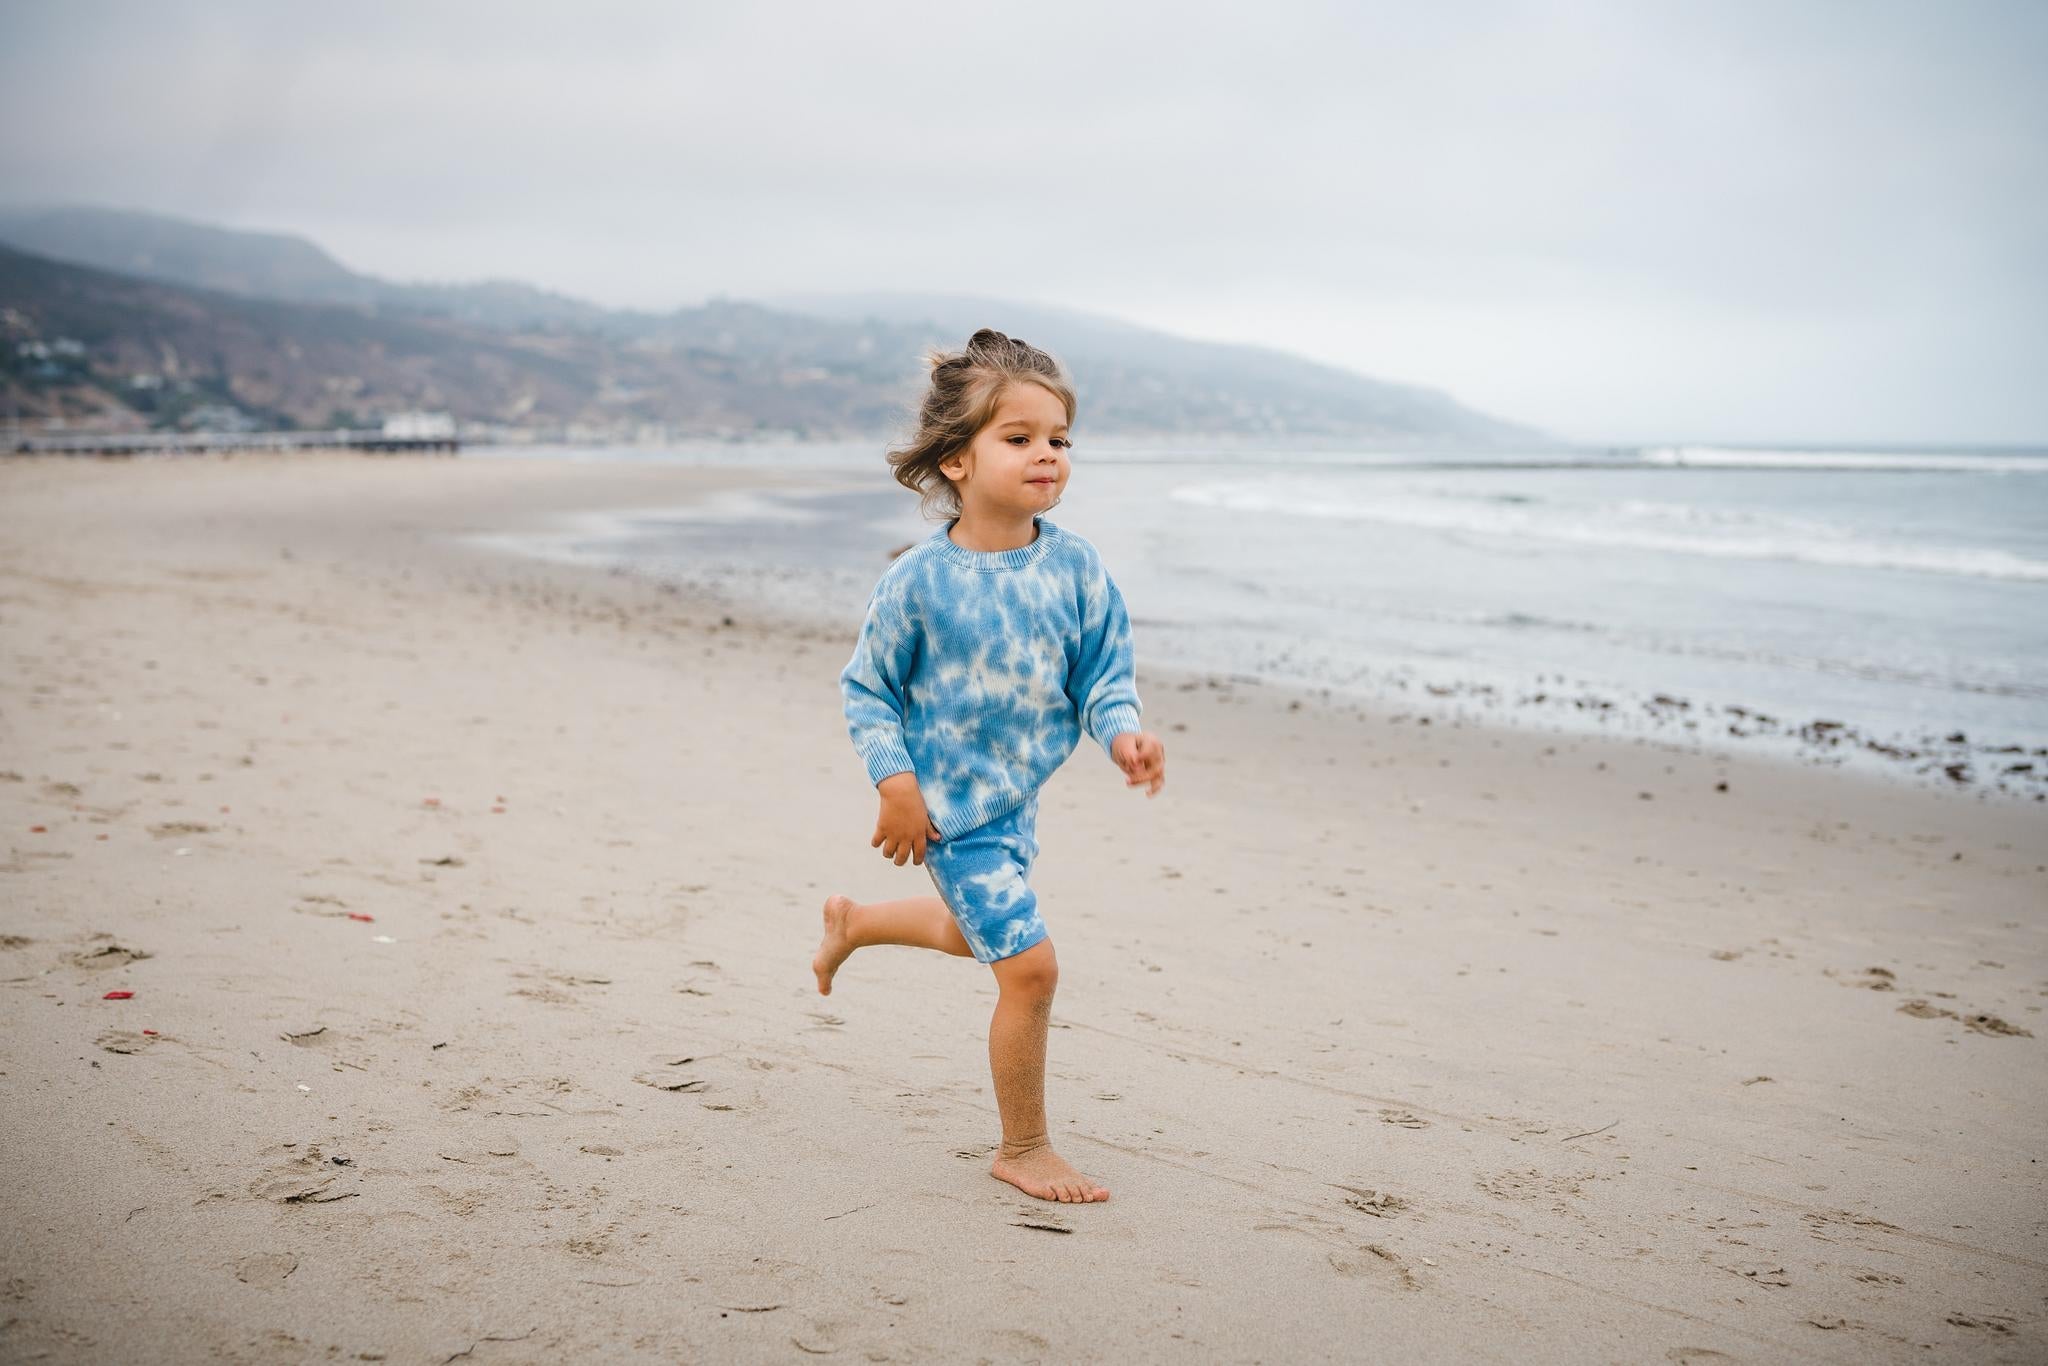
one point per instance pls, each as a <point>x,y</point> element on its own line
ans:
<point>114,321</point>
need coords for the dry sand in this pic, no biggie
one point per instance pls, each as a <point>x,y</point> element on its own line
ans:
<point>1392,1042</point>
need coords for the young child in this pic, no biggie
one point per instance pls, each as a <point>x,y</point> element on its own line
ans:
<point>988,648</point>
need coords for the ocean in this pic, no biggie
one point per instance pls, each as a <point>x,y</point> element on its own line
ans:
<point>1883,607</point>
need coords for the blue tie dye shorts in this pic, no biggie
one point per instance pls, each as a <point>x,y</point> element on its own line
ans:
<point>981,875</point>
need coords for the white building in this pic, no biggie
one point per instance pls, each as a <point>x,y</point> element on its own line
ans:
<point>419,427</point>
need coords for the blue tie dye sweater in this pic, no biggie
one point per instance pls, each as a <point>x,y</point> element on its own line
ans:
<point>978,670</point>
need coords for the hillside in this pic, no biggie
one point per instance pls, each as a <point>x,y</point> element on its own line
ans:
<point>267,265</point>
<point>157,350</point>
<point>176,317</point>
<point>1142,380</point>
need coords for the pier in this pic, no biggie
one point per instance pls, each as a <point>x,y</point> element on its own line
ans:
<point>374,440</point>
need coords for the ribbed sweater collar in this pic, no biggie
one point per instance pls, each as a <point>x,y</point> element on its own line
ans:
<point>1023,555</point>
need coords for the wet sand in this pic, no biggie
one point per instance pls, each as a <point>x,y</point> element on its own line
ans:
<point>467,905</point>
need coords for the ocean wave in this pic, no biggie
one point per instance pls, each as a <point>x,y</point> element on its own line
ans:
<point>1729,457</point>
<point>1669,528</point>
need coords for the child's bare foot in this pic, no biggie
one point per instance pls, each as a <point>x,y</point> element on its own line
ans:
<point>1044,1173</point>
<point>833,948</point>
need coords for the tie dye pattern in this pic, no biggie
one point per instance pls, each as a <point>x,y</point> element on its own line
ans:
<point>982,875</point>
<point>980,670</point>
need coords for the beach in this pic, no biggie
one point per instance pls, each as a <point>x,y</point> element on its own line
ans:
<point>467,904</point>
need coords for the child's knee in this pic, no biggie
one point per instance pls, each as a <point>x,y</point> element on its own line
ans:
<point>1032,975</point>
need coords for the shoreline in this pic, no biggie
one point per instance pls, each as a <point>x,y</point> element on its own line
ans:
<point>1431,1042</point>
<point>1552,705</point>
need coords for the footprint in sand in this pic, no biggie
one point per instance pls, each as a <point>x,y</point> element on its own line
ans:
<point>1989,1025</point>
<point>671,1073</point>
<point>324,905</point>
<point>462,1203</point>
<point>308,1178</point>
<point>493,1152</point>
<point>556,988</point>
<point>1822,1223</point>
<point>103,953</point>
<point>1378,1203</point>
<point>1371,1259</point>
<point>1533,1185</point>
<point>127,1040</point>
<point>1998,1325</point>
<point>266,1270</point>
<point>522,1097</point>
<point>1871,979</point>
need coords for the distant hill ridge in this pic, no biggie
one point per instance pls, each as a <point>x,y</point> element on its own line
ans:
<point>274,325</point>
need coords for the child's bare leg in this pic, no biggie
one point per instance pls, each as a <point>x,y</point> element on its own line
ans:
<point>1016,1057</point>
<point>920,922</point>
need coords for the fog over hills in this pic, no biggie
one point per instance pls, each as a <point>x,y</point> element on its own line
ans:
<point>176,315</point>
<point>265,265</point>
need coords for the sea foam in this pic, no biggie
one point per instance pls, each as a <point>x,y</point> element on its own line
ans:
<point>1632,524</point>
<point>1730,457</point>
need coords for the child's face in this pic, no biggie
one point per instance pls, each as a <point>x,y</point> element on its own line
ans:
<point>1016,466</point>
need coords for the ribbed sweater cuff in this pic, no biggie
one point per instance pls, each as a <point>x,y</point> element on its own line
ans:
<point>1113,721</point>
<point>885,755</point>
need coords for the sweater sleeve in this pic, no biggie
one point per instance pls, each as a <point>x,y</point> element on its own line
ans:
<point>1102,684</point>
<point>872,683</point>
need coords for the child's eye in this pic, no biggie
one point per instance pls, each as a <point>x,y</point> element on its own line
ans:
<point>1063,443</point>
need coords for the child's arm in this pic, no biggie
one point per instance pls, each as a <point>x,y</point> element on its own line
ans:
<point>872,687</point>
<point>1103,685</point>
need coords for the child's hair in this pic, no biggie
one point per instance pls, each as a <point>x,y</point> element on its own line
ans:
<point>965,390</point>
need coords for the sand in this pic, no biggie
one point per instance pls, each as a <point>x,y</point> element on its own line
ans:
<point>467,904</point>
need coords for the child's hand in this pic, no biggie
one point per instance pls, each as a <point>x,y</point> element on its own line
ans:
<point>904,826</point>
<point>1142,757</point>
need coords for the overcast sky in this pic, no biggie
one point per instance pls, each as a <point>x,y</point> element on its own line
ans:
<point>1632,221</point>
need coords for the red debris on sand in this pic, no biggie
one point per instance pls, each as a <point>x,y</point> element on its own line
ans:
<point>497,811</point>
<point>149,1031</point>
<point>431,801</point>
<point>117,996</point>
<point>360,915</point>
<point>223,811</point>
<point>99,837</point>
<point>39,829</point>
